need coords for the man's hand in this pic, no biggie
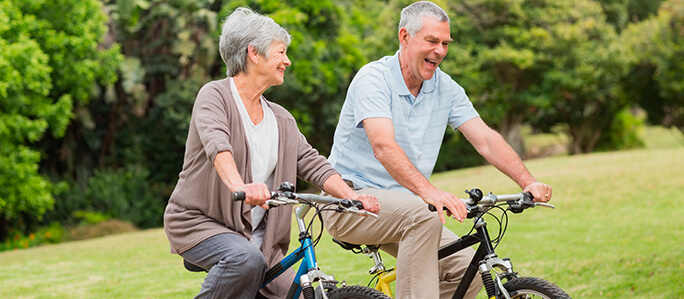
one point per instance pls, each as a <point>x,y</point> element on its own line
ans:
<point>370,203</point>
<point>540,191</point>
<point>439,199</point>
<point>256,194</point>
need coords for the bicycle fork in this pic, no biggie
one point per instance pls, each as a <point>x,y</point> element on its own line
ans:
<point>495,287</point>
<point>490,263</point>
<point>308,272</point>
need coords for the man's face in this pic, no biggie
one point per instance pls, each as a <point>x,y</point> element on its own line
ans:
<point>424,52</point>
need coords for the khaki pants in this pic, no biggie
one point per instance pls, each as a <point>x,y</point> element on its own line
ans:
<point>407,230</point>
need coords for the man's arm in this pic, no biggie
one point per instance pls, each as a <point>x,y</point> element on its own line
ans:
<point>380,133</point>
<point>499,153</point>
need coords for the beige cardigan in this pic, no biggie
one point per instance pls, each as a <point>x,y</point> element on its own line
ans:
<point>200,205</point>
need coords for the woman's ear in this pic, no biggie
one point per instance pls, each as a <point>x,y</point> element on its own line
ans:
<point>252,54</point>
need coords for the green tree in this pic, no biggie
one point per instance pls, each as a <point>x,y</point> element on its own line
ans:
<point>49,61</point>
<point>656,77</point>
<point>135,128</point>
<point>549,60</point>
<point>620,13</point>
<point>26,113</point>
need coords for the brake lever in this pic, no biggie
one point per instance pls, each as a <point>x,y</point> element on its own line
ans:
<point>355,210</point>
<point>281,201</point>
<point>545,205</point>
<point>364,212</point>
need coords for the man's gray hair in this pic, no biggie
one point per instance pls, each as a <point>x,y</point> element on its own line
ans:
<point>412,16</point>
<point>245,27</point>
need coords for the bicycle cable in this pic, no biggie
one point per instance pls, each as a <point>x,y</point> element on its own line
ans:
<point>309,227</point>
<point>502,225</point>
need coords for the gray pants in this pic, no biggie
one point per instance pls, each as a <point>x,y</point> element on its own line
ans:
<point>236,267</point>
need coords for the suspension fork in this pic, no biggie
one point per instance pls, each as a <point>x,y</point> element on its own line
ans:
<point>485,249</point>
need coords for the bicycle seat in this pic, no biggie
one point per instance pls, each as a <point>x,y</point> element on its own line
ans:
<point>347,246</point>
<point>192,267</point>
<point>356,248</point>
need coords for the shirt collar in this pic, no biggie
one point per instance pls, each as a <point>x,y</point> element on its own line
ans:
<point>428,86</point>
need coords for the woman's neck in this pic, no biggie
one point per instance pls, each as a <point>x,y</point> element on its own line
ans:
<point>250,93</point>
<point>249,88</point>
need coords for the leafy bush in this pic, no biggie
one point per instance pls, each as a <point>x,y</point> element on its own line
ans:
<point>124,194</point>
<point>623,133</point>
<point>90,218</point>
<point>456,153</point>
<point>108,227</point>
<point>53,233</point>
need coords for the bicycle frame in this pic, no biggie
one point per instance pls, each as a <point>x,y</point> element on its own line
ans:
<point>484,258</point>
<point>484,251</point>
<point>384,280</point>
<point>308,271</point>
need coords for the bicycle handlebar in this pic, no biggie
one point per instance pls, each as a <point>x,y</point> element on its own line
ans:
<point>285,196</point>
<point>517,202</point>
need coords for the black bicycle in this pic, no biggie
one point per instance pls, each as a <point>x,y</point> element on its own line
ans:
<point>500,281</point>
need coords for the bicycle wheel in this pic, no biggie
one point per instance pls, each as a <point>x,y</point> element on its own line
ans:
<point>356,292</point>
<point>533,287</point>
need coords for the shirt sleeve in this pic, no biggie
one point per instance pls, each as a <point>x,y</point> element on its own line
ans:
<point>370,95</point>
<point>462,109</point>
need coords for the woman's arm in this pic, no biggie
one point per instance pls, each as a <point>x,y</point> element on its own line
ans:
<point>255,193</point>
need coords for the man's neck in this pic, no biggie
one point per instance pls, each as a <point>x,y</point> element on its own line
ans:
<point>412,83</point>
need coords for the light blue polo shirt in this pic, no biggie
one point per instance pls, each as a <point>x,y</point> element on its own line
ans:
<point>379,90</point>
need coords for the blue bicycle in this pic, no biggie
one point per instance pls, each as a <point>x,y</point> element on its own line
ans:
<point>310,281</point>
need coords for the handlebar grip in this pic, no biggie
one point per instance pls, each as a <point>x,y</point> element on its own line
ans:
<point>238,196</point>
<point>358,204</point>
<point>528,196</point>
<point>434,209</point>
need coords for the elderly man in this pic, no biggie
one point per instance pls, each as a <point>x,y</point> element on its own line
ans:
<point>386,144</point>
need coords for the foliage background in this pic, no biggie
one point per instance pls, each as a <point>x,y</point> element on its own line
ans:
<point>95,95</point>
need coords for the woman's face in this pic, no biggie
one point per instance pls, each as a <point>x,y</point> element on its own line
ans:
<point>273,68</point>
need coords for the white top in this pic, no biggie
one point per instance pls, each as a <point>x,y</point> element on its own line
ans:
<point>263,149</point>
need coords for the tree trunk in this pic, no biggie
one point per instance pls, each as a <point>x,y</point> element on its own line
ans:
<point>4,228</point>
<point>510,130</point>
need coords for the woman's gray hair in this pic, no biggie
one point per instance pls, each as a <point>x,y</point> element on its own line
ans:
<point>412,16</point>
<point>245,27</point>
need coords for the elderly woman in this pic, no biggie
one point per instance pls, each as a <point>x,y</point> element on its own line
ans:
<point>239,141</point>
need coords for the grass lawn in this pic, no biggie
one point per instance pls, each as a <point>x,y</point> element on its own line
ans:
<point>616,232</point>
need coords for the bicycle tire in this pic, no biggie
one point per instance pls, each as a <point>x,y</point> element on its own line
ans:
<point>356,292</point>
<point>534,287</point>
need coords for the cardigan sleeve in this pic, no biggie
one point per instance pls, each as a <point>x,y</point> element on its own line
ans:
<point>211,117</point>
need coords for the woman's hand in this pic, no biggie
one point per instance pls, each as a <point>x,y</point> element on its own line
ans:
<point>256,194</point>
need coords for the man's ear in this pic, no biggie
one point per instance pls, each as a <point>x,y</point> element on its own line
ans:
<point>403,36</point>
